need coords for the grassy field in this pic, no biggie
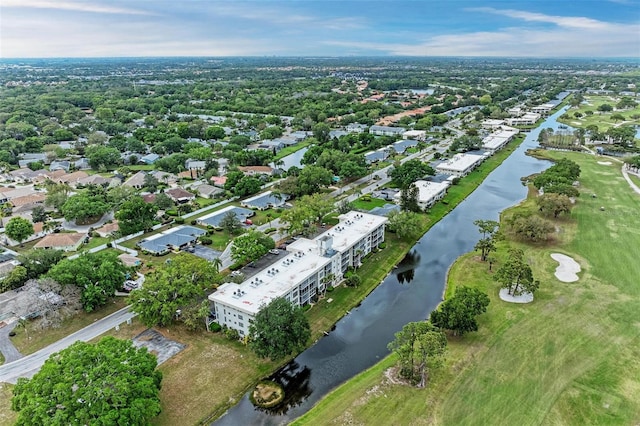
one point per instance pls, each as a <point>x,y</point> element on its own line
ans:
<point>7,417</point>
<point>570,357</point>
<point>601,119</point>
<point>369,203</point>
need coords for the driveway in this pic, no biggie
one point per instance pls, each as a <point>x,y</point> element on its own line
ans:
<point>9,351</point>
<point>205,252</point>
<point>85,228</point>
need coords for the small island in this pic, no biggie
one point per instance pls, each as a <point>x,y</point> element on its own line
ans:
<point>267,394</point>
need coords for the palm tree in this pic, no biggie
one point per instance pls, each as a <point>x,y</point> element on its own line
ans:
<point>269,217</point>
<point>217,264</point>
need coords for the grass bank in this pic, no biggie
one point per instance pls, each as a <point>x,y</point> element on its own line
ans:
<point>570,357</point>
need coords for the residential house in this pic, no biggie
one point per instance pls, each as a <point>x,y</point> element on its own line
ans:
<point>93,180</point>
<point>136,181</point>
<point>24,175</point>
<point>72,179</point>
<point>180,195</point>
<point>272,144</point>
<point>209,191</point>
<point>218,181</point>
<point>27,158</point>
<point>175,239</point>
<point>418,135</point>
<point>149,158</point>
<point>27,202</point>
<point>108,229</point>
<point>428,192</point>
<point>60,165</point>
<point>129,260</point>
<point>265,201</point>
<point>356,128</point>
<point>461,164</point>
<point>256,170</point>
<point>62,241</point>
<point>387,130</point>
<point>82,164</point>
<point>195,164</point>
<point>375,156</point>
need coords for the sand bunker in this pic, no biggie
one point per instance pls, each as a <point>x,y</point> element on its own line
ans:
<point>523,298</point>
<point>605,163</point>
<point>567,269</point>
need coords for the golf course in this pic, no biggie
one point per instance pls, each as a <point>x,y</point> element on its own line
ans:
<point>571,357</point>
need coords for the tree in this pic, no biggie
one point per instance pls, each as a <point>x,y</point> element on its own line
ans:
<point>136,215</point>
<point>83,207</point>
<point>419,347</point>
<point>38,261</point>
<point>321,132</point>
<point>605,108</point>
<point>459,312</point>
<point>39,214</point>
<point>214,132</point>
<point>119,194</point>
<point>230,223</point>
<point>531,228</point>
<point>163,202</point>
<point>279,329</point>
<point>57,195</point>
<point>98,275</point>
<point>248,185</point>
<point>111,382</point>
<point>405,174</point>
<point>310,209</point>
<point>312,178</point>
<point>251,246</point>
<point>551,204</point>
<point>150,182</point>
<point>406,225</point>
<point>102,157</point>
<point>516,275</point>
<point>18,229</point>
<point>173,287</point>
<point>489,231</point>
<point>623,135</point>
<point>409,199</point>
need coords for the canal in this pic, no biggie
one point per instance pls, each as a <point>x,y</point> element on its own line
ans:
<point>409,293</point>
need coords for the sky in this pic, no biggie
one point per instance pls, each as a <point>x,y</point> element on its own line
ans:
<point>121,28</point>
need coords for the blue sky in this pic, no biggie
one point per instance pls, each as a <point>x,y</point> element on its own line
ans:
<point>539,28</point>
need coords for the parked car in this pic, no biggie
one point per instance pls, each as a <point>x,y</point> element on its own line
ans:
<point>274,251</point>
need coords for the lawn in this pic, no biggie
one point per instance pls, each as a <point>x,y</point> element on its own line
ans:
<point>571,357</point>
<point>601,119</point>
<point>367,203</point>
<point>290,150</point>
<point>7,417</point>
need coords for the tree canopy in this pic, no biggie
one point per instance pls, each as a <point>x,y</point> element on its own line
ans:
<point>83,206</point>
<point>279,329</point>
<point>99,275</point>
<point>18,229</point>
<point>459,312</point>
<point>177,285</point>
<point>135,215</point>
<point>516,275</point>
<point>405,224</point>
<point>108,383</point>
<point>405,174</point>
<point>251,246</point>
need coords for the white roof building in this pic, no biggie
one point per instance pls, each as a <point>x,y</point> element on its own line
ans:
<point>496,140</point>
<point>419,135</point>
<point>461,164</point>
<point>543,109</point>
<point>491,123</point>
<point>303,273</point>
<point>528,119</point>
<point>429,192</point>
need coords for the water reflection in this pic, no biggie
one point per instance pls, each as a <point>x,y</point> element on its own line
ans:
<point>295,380</point>
<point>405,270</point>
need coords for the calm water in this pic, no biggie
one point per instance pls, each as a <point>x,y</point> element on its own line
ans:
<point>409,293</point>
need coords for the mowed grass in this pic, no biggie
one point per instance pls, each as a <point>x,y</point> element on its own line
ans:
<point>601,119</point>
<point>7,417</point>
<point>572,357</point>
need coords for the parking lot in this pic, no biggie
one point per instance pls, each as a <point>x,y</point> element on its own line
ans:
<point>205,252</point>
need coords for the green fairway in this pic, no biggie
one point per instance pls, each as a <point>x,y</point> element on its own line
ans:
<point>603,120</point>
<point>570,357</point>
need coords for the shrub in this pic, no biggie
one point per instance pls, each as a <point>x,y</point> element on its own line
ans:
<point>306,307</point>
<point>270,230</point>
<point>235,266</point>
<point>214,327</point>
<point>206,241</point>
<point>231,334</point>
<point>179,220</point>
<point>109,245</point>
<point>330,289</point>
<point>194,222</point>
<point>382,245</point>
<point>171,212</point>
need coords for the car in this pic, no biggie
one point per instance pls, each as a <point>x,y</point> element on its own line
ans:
<point>282,247</point>
<point>274,251</point>
<point>236,273</point>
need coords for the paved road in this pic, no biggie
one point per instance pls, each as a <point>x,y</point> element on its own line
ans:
<point>30,364</point>
<point>9,351</point>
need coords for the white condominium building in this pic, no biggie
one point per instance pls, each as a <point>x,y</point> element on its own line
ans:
<point>308,268</point>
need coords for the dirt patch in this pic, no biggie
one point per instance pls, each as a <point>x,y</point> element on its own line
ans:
<point>158,345</point>
<point>393,376</point>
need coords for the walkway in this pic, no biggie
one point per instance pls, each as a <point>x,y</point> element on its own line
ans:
<point>30,364</point>
<point>625,175</point>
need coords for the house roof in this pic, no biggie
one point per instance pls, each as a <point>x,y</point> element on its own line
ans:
<point>136,180</point>
<point>73,177</point>
<point>218,180</point>
<point>60,240</point>
<point>209,189</point>
<point>256,169</point>
<point>175,237</point>
<point>129,260</point>
<point>179,193</point>
<point>28,199</point>
<point>94,180</point>
<point>149,198</point>
<point>108,228</point>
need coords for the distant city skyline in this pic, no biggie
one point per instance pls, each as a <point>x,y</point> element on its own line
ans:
<point>125,28</point>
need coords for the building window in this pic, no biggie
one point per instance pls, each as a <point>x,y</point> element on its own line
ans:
<point>240,317</point>
<point>241,324</point>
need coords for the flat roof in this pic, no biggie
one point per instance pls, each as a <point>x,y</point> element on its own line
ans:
<point>274,281</point>
<point>214,218</point>
<point>499,138</point>
<point>175,237</point>
<point>428,190</point>
<point>460,162</point>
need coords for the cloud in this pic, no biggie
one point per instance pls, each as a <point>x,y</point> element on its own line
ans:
<point>72,6</point>
<point>562,21</point>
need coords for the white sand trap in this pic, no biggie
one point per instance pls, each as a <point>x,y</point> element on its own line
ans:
<point>605,163</point>
<point>567,269</point>
<point>523,298</point>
